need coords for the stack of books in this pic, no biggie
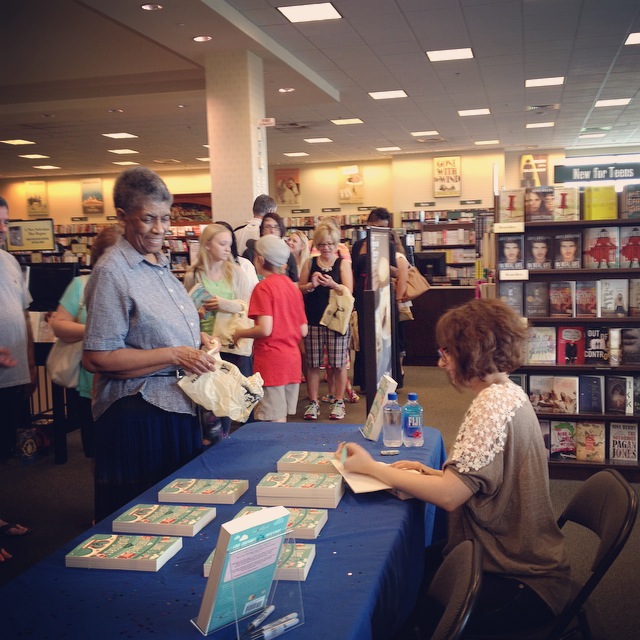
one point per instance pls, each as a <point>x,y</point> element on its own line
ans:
<point>292,489</point>
<point>303,523</point>
<point>164,519</point>
<point>203,491</point>
<point>307,461</point>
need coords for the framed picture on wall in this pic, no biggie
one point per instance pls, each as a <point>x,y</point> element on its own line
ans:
<point>447,178</point>
<point>288,187</point>
<point>92,197</point>
<point>191,208</point>
<point>36,194</point>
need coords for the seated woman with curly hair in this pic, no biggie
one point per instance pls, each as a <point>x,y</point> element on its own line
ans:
<point>495,482</point>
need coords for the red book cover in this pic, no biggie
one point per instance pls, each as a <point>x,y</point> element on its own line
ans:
<point>570,345</point>
<point>562,298</point>
<point>586,299</point>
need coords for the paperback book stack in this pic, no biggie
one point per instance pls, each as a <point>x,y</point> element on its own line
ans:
<point>203,491</point>
<point>311,461</point>
<point>300,489</point>
<point>131,553</point>
<point>303,523</point>
<point>164,519</point>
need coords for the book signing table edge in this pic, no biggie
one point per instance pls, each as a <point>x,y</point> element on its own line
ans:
<point>364,579</point>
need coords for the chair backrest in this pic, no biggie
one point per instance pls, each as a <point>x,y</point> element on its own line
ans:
<point>455,588</point>
<point>607,505</point>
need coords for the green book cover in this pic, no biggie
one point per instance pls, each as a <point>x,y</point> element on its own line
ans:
<point>304,522</point>
<point>315,461</point>
<point>203,491</point>
<point>160,519</point>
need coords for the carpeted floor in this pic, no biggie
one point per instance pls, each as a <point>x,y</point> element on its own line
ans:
<point>56,501</point>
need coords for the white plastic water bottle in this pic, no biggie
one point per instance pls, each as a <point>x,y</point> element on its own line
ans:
<point>412,415</point>
<point>392,422</point>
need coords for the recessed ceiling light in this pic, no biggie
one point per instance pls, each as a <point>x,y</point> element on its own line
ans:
<point>152,6</point>
<point>544,82</point>
<point>296,154</point>
<point>450,54</point>
<point>420,134</point>
<point>286,89</point>
<point>620,102</point>
<point>203,38</point>
<point>310,12</point>
<point>33,156</point>
<point>539,125</point>
<point>388,149</point>
<point>387,95</point>
<point>119,136</point>
<point>341,121</point>
<point>481,142</point>
<point>17,142</point>
<point>126,163</point>
<point>317,140</point>
<point>46,166</point>
<point>634,38</point>
<point>122,151</point>
<point>474,112</point>
<point>592,135</point>
<point>203,159</point>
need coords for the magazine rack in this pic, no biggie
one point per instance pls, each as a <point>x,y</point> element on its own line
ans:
<point>246,574</point>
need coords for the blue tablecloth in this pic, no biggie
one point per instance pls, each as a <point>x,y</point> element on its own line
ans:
<point>364,580</point>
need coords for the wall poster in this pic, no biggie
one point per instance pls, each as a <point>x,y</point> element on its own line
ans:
<point>351,185</point>
<point>92,197</point>
<point>447,177</point>
<point>36,194</point>
<point>288,187</point>
<point>534,171</point>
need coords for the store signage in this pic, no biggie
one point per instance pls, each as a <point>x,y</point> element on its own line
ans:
<point>267,122</point>
<point>470,201</point>
<point>596,172</point>
<point>112,217</point>
<point>424,204</point>
<point>300,210</point>
<point>79,219</point>
<point>331,210</point>
<point>366,208</point>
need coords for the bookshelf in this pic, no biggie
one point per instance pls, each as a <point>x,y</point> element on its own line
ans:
<point>585,317</point>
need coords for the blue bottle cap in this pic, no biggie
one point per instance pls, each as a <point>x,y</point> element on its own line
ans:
<point>392,396</point>
<point>412,396</point>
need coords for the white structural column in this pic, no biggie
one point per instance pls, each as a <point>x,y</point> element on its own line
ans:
<point>237,145</point>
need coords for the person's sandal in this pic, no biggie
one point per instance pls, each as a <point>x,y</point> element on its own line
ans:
<point>329,399</point>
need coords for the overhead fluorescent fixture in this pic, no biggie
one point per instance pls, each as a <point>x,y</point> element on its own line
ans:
<point>387,95</point>
<point>584,136</point>
<point>544,82</point>
<point>481,142</point>
<point>424,134</point>
<point>203,159</point>
<point>310,12</point>
<point>286,90</point>
<point>202,38</point>
<point>46,167</point>
<point>126,163</point>
<point>152,6</point>
<point>634,38</point>
<point>296,154</point>
<point>539,125</point>
<point>317,140</point>
<point>619,102</point>
<point>388,149</point>
<point>119,136</point>
<point>33,156</point>
<point>122,151</point>
<point>474,112</point>
<point>341,121</point>
<point>17,142</point>
<point>449,54</point>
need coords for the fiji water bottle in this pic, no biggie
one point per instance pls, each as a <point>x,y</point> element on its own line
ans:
<point>392,422</point>
<point>412,422</point>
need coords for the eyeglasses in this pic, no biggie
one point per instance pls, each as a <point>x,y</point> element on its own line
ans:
<point>270,226</point>
<point>326,245</point>
<point>443,354</point>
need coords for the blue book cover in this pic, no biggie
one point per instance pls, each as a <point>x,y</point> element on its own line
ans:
<point>591,391</point>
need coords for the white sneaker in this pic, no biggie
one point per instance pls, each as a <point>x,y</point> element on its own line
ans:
<point>337,410</point>
<point>312,411</point>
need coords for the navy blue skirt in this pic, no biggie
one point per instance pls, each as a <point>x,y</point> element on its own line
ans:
<point>137,445</point>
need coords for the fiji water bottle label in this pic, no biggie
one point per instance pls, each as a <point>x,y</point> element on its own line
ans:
<point>413,427</point>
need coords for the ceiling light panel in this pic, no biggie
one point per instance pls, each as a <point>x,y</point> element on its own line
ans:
<point>544,82</point>
<point>424,134</point>
<point>310,12</point>
<point>119,136</point>
<point>122,151</point>
<point>444,55</point>
<point>619,102</point>
<point>474,112</point>
<point>387,95</point>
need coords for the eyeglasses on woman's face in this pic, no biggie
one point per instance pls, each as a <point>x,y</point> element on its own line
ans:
<point>271,229</point>
<point>326,245</point>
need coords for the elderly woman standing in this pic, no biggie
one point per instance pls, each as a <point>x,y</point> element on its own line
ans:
<point>495,483</point>
<point>142,331</point>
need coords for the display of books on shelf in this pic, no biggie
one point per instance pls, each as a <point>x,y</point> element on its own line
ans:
<point>563,443</point>
<point>591,393</point>
<point>313,461</point>
<point>554,394</point>
<point>562,298</point>
<point>304,523</point>
<point>623,441</point>
<point>203,490</point>
<point>613,298</point>
<point>586,298</point>
<point>511,293</point>
<point>294,561</point>
<point>124,552</point>
<point>619,394</point>
<point>630,247</point>
<point>164,519</point>
<point>243,568</point>
<point>538,204</point>
<point>590,441</point>
<point>600,203</point>
<point>520,379</point>
<point>536,299</point>
<point>568,251</point>
<point>630,201</point>
<point>511,205</point>
<point>510,251</point>
<point>566,204</point>
<point>600,248</point>
<point>570,345</point>
<point>541,348</point>
<point>539,254</point>
<point>631,346</point>
<point>634,297</point>
<point>293,489</point>
<point>596,345</point>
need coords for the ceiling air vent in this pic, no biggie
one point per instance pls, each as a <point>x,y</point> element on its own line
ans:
<point>289,127</point>
<point>431,140</point>
<point>167,161</point>
<point>543,108</point>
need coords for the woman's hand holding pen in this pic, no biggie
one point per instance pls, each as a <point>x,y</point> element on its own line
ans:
<point>358,459</point>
